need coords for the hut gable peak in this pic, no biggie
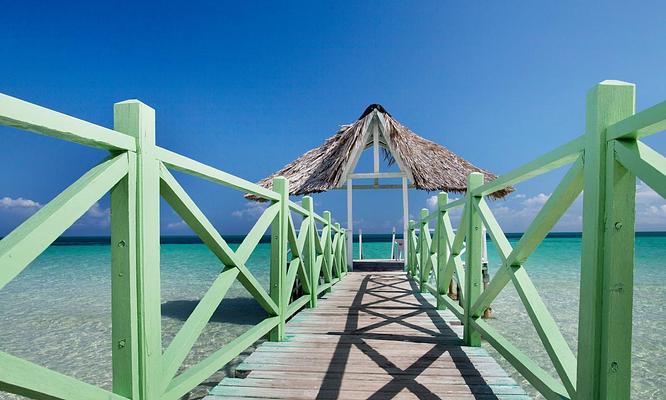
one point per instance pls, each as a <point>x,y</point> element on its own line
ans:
<point>373,134</point>
<point>426,165</point>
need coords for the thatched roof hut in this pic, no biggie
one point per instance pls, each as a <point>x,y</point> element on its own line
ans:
<point>427,165</point>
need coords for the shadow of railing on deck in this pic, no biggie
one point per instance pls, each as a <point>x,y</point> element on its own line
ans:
<point>444,340</point>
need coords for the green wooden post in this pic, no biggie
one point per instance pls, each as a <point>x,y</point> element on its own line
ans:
<point>343,236</point>
<point>124,330</point>
<point>411,250</point>
<point>334,252</point>
<point>474,243</point>
<point>311,252</point>
<point>328,251</point>
<point>338,251</point>
<point>425,251</point>
<point>279,244</point>
<point>606,287</point>
<point>138,120</point>
<point>342,245</point>
<point>442,249</point>
<point>344,252</point>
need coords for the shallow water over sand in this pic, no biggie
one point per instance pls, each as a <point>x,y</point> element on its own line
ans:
<point>57,312</point>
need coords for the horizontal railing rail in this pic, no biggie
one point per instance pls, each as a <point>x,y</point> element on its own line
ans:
<point>604,164</point>
<point>303,265</point>
<point>30,117</point>
<point>195,168</point>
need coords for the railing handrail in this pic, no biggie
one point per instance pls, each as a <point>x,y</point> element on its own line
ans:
<point>606,161</point>
<point>196,168</point>
<point>137,174</point>
<point>31,117</point>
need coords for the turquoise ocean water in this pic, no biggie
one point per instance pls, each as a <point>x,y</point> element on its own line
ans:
<point>57,312</point>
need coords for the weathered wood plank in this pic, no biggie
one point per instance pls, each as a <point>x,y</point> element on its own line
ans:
<point>390,392</point>
<point>374,337</point>
<point>372,386</point>
<point>316,378</point>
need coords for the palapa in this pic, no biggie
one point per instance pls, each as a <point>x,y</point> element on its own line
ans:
<point>430,166</point>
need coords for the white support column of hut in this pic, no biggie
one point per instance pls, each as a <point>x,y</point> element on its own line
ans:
<point>374,135</point>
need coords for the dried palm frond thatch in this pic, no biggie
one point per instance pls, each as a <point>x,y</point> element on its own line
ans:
<point>433,167</point>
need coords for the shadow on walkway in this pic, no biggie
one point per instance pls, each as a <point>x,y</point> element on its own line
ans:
<point>392,296</point>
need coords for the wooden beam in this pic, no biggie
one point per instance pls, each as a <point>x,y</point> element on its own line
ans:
<point>473,243</point>
<point>644,162</point>
<point>311,250</point>
<point>374,175</point>
<point>297,208</point>
<point>557,204</point>
<point>188,334</point>
<point>641,124</point>
<point>32,237</point>
<point>562,155</point>
<point>30,117</point>
<point>196,168</point>
<point>368,187</point>
<point>447,302</point>
<point>134,118</point>
<point>207,367</point>
<point>355,153</point>
<point>278,264</point>
<point>375,152</point>
<point>454,264</point>
<point>424,254</point>
<point>244,251</point>
<point>124,326</point>
<point>185,207</point>
<point>442,250</point>
<point>392,150</point>
<point>328,249</point>
<point>549,333</point>
<point>28,379</point>
<point>549,387</point>
<point>350,225</point>
<point>607,259</point>
<point>496,234</point>
<point>405,218</point>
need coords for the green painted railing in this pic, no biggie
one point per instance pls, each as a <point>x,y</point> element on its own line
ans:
<point>137,174</point>
<point>606,161</point>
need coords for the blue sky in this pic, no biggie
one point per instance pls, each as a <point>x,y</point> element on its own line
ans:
<point>249,87</point>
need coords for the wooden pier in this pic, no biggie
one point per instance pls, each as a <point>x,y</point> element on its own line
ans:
<point>378,334</point>
<point>374,337</point>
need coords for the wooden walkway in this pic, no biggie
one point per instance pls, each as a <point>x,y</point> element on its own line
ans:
<point>374,337</point>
